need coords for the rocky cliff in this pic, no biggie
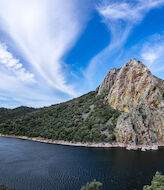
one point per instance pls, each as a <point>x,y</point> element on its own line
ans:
<point>139,96</point>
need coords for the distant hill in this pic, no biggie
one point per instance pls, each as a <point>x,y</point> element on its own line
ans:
<point>6,114</point>
<point>128,107</point>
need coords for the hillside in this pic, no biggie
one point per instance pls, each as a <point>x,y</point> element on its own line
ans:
<point>87,118</point>
<point>6,114</point>
<point>128,107</point>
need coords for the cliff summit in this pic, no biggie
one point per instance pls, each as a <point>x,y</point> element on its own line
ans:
<point>139,96</point>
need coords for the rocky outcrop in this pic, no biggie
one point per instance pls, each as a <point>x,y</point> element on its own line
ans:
<point>140,96</point>
<point>108,82</point>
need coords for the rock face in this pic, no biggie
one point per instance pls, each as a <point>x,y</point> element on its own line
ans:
<point>140,96</point>
<point>108,82</point>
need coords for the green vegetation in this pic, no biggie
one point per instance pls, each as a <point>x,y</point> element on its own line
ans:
<point>157,183</point>
<point>88,118</point>
<point>3,187</point>
<point>6,114</point>
<point>94,185</point>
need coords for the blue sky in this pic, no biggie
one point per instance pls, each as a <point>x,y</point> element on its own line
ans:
<point>52,51</point>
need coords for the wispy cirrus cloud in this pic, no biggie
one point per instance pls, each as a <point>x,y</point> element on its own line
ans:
<point>13,65</point>
<point>120,18</point>
<point>15,80</point>
<point>132,11</point>
<point>43,31</point>
<point>17,87</point>
<point>152,54</point>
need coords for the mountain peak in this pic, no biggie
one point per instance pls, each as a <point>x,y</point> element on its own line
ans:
<point>140,96</point>
<point>131,84</point>
<point>135,65</point>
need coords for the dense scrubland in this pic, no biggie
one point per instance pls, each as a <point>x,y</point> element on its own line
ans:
<point>88,118</point>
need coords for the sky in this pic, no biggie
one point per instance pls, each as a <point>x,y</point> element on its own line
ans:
<point>52,51</point>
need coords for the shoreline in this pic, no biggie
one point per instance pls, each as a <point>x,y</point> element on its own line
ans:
<point>80,144</point>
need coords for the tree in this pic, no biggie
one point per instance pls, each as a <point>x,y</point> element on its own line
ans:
<point>94,185</point>
<point>157,182</point>
<point>3,187</point>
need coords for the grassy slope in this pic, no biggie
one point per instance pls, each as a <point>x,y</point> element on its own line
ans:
<point>84,119</point>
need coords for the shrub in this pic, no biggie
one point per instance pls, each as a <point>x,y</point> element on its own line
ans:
<point>94,185</point>
<point>157,182</point>
<point>3,187</point>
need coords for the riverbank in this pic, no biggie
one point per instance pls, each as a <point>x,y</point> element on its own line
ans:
<point>98,145</point>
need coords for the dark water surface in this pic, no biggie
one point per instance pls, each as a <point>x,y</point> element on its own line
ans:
<point>28,165</point>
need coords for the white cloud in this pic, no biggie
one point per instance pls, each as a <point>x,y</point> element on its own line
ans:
<point>120,17</point>
<point>123,11</point>
<point>130,11</point>
<point>152,53</point>
<point>149,56</point>
<point>44,30</point>
<point>15,92</point>
<point>14,65</point>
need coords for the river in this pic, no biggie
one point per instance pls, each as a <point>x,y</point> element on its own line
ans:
<point>28,165</point>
